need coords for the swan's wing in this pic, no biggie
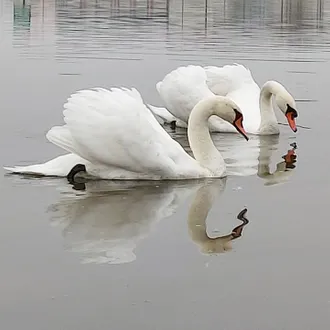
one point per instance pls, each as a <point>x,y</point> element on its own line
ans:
<point>113,128</point>
<point>237,83</point>
<point>182,89</point>
<point>224,80</point>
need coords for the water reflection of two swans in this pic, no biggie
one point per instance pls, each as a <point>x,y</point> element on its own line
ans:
<point>105,222</point>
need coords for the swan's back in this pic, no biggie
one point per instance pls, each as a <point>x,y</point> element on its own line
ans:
<point>224,80</point>
<point>182,89</point>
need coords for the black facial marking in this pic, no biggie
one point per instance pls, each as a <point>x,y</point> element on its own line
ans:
<point>292,111</point>
<point>173,124</point>
<point>238,114</point>
<point>75,169</point>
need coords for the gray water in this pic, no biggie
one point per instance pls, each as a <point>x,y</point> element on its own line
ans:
<point>136,255</point>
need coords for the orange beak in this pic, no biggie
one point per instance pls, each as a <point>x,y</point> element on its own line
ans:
<point>291,121</point>
<point>291,114</point>
<point>238,123</point>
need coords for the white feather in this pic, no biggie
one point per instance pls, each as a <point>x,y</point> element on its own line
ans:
<point>184,87</point>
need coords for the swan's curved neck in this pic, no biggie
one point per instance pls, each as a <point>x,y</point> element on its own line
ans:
<point>268,123</point>
<point>200,141</point>
<point>197,216</point>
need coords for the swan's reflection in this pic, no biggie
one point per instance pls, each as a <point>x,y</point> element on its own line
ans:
<point>202,204</point>
<point>283,169</point>
<point>248,158</point>
<point>105,223</point>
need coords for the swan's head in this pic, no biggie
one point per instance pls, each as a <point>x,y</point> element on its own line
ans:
<point>230,112</point>
<point>287,105</point>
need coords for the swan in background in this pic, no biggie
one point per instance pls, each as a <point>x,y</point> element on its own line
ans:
<point>111,134</point>
<point>200,207</point>
<point>184,87</point>
<point>106,222</point>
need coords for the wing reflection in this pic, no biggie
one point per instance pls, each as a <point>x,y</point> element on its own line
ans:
<point>106,223</point>
<point>198,212</point>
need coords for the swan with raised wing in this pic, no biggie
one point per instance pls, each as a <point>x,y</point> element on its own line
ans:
<point>184,87</point>
<point>111,134</point>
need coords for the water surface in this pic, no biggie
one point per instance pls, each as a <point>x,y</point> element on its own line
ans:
<point>140,255</point>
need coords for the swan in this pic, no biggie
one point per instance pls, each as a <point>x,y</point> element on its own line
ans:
<point>185,86</point>
<point>111,134</point>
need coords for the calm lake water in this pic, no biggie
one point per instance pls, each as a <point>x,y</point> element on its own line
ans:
<point>136,255</point>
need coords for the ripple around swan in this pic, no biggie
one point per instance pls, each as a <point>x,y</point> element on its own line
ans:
<point>69,30</point>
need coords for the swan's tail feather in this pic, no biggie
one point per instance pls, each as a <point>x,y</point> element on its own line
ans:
<point>57,167</point>
<point>34,170</point>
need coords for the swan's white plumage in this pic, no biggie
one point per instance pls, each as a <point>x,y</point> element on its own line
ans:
<point>182,88</point>
<point>116,136</point>
<point>177,93</point>
<point>114,130</point>
<point>223,80</point>
<point>236,82</point>
<point>59,166</point>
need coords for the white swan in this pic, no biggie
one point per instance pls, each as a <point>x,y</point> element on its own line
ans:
<point>113,135</point>
<point>184,87</point>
